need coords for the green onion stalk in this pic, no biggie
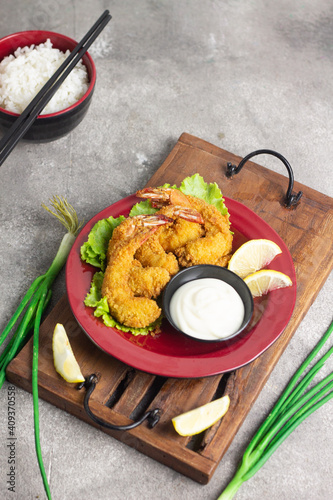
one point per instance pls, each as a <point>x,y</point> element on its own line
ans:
<point>30,310</point>
<point>295,404</point>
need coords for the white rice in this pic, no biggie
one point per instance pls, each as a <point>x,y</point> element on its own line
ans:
<point>23,74</point>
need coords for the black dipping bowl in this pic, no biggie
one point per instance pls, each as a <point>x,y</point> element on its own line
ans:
<point>55,125</point>
<point>209,271</point>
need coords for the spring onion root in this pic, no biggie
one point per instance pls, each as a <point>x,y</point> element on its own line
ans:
<point>30,311</point>
<point>296,403</point>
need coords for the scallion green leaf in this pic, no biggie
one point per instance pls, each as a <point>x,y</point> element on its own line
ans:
<point>295,404</point>
<point>30,311</point>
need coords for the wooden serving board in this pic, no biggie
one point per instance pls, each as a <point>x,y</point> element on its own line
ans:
<point>123,394</point>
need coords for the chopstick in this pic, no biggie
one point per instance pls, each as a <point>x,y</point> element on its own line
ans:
<point>34,108</point>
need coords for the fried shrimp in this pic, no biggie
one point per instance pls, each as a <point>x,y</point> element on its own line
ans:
<point>187,226</point>
<point>128,226</point>
<point>208,242</point>
<point>127,308</point>
<point>147,281</point>
<point>215,245</point>
<point>161,197</point>
<point>152,255</point>
<point>159,249</point>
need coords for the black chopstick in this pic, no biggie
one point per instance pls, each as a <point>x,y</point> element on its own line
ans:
<point>34,108</point>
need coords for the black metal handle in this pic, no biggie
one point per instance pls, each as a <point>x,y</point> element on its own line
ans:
<point>90,382</point>
<point>291,199</point>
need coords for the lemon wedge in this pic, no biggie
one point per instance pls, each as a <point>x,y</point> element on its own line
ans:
<point>253,256</point>
<point>63,356</point>
<point>265,281</point>
<point>199,419</point>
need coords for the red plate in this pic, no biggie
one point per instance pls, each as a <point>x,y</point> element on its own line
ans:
<point>170,354</point>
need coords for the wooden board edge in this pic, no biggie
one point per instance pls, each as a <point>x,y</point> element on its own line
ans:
<point>192,141</point>
<point>171,454</point>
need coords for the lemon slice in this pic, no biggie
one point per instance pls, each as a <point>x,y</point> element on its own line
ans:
<point>199,419</point>
<point>63,356</point>
<point>265,281</point>
<point>252,256</point>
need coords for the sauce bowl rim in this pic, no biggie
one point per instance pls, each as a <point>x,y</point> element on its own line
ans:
<point>201,271</point>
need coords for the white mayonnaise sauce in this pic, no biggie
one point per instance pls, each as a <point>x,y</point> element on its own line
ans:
<point>207,309</point>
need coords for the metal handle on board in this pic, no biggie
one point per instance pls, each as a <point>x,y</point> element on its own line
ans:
<point>90,382</point>
<point>291,199</point>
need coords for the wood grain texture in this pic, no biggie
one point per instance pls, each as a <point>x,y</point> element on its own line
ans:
<point>123,393</point>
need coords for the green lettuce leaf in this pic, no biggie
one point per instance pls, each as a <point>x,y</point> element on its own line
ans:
<point>142,208</point>
<point>95,293</point>
<point>211,193</point>
<point>94,250</point>
<point>94,299</point>
<point>166,186</point>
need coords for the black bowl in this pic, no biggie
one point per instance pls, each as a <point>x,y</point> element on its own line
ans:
<point>48,127</point>
<point>209,271</point>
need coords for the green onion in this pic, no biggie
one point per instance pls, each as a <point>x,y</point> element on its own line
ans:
<point>296,403</point>
<point>31,309</point>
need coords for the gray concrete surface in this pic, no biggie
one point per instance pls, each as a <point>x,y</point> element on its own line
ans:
<point>240,74</point>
